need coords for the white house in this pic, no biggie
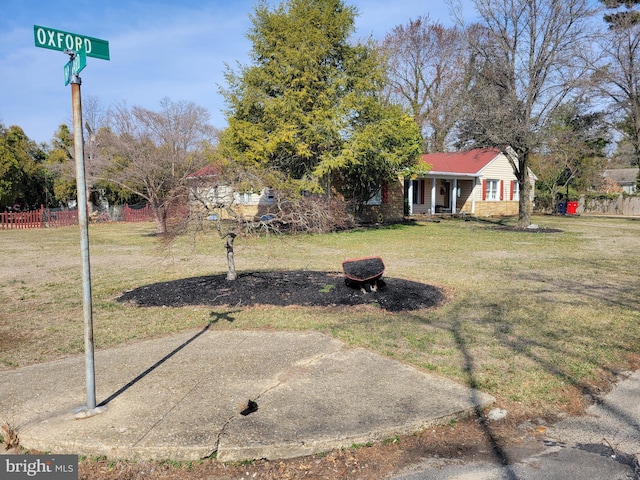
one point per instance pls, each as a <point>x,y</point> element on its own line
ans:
<point>478,182</point>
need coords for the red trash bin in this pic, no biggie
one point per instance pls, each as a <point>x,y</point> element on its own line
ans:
<point>572,207</point>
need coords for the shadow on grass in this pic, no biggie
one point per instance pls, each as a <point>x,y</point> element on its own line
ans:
<point>497,449</point>
<point>534,348</point>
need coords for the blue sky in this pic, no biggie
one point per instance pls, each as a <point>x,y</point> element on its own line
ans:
<point>157,48</point>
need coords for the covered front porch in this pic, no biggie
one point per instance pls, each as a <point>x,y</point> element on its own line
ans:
<point>442,194</point>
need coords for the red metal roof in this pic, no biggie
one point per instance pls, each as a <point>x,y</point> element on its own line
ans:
<point>208,171</point>
<point>469,163</point>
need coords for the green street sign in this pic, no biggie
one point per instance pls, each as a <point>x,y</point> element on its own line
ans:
<point>75,66</point>
<point>61,41</point>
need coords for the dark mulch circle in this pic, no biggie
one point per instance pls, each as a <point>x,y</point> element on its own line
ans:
<point>285,288</point>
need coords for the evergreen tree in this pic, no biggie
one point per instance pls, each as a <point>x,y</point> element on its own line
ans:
<point>23,180</point>
<point>574,152</point>
<point>61,166</point>
<point>309,104</point>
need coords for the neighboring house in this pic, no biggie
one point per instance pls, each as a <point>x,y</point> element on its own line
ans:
<point>626,178</point>
<point>206,191</point>
<point>478,182</point>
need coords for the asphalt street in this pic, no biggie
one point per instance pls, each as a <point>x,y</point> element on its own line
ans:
<point>604,444</point>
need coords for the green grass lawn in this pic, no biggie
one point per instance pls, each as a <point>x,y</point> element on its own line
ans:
<point>535,319</point>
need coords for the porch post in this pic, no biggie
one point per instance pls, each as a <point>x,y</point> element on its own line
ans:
<point>410,195</point>
<point>433,196</point>
<point>473,195</point>
<point>454,196</point>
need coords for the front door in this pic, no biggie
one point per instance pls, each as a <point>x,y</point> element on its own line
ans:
<point>446,190</point>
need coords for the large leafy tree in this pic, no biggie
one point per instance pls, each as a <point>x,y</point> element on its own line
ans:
<point>61,165</point>
<point>23,178</point>
<point>527,60</point>
<point>310,101</point>
<point>151,153</point>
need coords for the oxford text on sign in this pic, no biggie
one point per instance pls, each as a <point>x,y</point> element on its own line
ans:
<point>59,40</point>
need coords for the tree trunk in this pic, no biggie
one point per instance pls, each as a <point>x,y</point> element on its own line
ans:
<point>520,163</point>
<point>524,204</point>
<point>161,220</point>
<point>231,274</point>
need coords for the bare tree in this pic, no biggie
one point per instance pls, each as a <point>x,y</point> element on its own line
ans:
<point>213,200</point>
<point>573,154</point>
<point>151,153</point>
<point>527,59</point>
<point>95,117</point>
<point>426,74</point>
<point>620,77</point>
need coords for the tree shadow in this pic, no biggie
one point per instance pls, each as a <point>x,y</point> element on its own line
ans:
<point>497,449</point>
<point>530,348</point>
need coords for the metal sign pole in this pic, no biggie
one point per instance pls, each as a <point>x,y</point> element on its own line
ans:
<point>78,143</point>
<point>79,47</point>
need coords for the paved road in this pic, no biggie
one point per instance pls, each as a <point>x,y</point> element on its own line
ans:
<point>602,445</point>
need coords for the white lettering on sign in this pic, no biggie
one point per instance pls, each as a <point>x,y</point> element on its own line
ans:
<point>61,40</point>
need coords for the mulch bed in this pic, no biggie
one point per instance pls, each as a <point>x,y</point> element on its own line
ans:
<point>285,288</point>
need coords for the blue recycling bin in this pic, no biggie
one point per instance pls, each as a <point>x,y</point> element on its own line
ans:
<point>562,208</point>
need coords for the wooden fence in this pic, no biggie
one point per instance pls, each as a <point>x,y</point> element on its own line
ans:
<point>136,214</point>
<point>16,220</point>
<point>42,218</point>
<point>60,218</point>
<point>622,205</point>
<point>45,217</point>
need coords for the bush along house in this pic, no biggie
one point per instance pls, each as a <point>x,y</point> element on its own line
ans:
<point>478,182</point>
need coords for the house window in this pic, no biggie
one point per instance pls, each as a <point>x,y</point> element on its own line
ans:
<point>492,190</point>
<point>381,196</point>
<point>376,199</point>
<point>269,195</point>
<point>515,190</point>
<point>242,197</point>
